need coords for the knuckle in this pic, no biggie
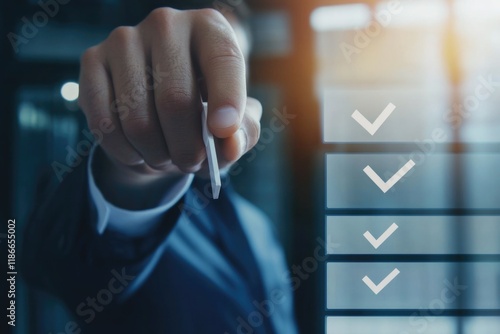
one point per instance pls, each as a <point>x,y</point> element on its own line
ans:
<point>211,15</point>
<point>121,36</point>
<point>90,56</point>
<point>221,35</point>
<point>225,56</point>
<point>227,51</point>
<point>174,99</point>
<point>161,17</point>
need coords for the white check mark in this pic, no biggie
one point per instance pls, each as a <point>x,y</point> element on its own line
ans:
<point>386,186</point>
<point>377,242</point>
<point>381,286</point>
<point>372,128</point>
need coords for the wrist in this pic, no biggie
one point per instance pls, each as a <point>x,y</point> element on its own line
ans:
<point>131,187</point>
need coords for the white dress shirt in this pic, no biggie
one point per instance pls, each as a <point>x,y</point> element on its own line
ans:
<point>128,222</point>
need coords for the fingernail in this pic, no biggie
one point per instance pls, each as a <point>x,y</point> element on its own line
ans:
<point>242,139</point>
<point>224,118</point>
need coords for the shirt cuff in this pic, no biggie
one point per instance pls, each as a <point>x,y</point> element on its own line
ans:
<point>128,222</point>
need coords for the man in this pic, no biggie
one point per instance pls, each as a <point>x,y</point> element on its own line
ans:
<point>131,241</point>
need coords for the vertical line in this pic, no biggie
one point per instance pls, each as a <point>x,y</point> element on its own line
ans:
<point>7,111</point>
<point>456,79</point>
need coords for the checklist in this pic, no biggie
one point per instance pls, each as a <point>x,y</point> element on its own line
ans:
<point>412,235</point>
<point>414,229</point>
<point>386,115</point>
<point>391,285</point>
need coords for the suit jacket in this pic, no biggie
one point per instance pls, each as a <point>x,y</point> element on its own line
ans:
<point>209,267</point>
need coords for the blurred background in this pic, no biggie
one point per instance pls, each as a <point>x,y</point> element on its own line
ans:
<point>305,55</point>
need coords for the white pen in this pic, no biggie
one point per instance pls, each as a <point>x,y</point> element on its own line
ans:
<point>213,165</point>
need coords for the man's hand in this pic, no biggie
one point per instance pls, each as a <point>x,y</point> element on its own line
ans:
<point>146,83</point>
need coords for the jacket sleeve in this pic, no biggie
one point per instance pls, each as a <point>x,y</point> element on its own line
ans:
<point>64,254</point>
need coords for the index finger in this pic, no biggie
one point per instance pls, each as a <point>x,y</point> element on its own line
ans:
<point>222,65</point>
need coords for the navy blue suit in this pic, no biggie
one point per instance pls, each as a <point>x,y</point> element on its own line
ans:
<point>209,266</point>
